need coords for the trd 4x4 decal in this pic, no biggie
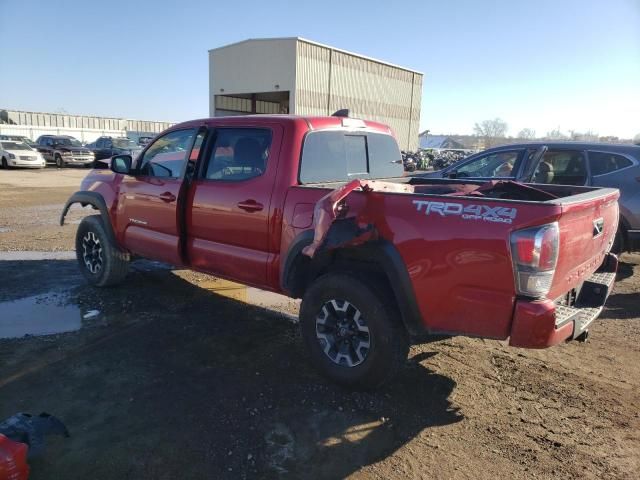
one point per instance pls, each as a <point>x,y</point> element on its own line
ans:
<point>470,212</point>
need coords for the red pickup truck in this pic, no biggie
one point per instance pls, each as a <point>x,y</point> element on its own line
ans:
<point>319,208</point>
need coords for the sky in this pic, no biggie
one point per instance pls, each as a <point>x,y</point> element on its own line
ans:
<point>543,64</point>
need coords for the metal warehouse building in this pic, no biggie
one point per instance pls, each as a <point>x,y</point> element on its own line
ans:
<point>295,75</point>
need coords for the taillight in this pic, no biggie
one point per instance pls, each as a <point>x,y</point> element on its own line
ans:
<point>535,253</point>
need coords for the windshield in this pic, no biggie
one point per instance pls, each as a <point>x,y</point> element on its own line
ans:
<point>15,146</point>
<point>68,142</point>
<point>124,143</point>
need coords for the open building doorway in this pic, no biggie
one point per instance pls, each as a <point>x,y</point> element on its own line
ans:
<point>251,103</point>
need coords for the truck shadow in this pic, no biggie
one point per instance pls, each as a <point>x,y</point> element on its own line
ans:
<point>623,306</point>
<point>173,381</point>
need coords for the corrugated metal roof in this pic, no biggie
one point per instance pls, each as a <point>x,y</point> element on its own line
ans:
<point>300,39</point>
<point>439,141</point>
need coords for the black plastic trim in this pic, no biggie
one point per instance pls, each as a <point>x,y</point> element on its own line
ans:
<point>381,252</point>
<point>96,201</point>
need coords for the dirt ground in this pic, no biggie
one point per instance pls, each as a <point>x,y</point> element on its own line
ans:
<point>174,378</point>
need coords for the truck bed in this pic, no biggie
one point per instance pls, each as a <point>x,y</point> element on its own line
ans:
<point>454,239</point>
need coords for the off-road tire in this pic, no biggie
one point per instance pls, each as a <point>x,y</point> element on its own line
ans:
<point>114,263</point>
<point>389,341</point>
<point>59,161</point>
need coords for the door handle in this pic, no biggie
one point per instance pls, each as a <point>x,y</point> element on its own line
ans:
<point>167,197</point>
<point>250,206</point>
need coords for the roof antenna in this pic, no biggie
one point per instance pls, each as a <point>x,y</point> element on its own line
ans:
<point>341,113</point>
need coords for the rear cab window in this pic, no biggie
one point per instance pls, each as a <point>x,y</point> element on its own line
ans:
<point>342,155</point>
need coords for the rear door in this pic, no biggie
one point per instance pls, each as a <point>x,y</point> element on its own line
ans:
<point>561,166</point>
<point>148,217</point>
<point>229,204</point>
<point>45,147</point>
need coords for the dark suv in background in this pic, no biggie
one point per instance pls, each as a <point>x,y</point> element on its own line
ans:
<point>107,147</point>
<point>565,163</point>
<point>64,150</point>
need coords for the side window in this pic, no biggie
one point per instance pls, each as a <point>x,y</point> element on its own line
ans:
<point>602,163</point>
<point>561,167</point>
<point>100,143</point>
<point>239,154</point>
<point>167,156</point>
<point>107,143</point>
<point>498,164</point>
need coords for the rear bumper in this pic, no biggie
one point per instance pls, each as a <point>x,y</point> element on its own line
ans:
<point>543,323</point>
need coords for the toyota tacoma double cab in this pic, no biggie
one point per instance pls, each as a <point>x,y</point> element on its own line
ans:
<point>319,208</point>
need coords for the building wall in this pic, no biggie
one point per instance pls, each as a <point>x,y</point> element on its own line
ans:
<point>83,127</point>
<point>328,80</point>
<point>320,80</point>
<point>252,67</point>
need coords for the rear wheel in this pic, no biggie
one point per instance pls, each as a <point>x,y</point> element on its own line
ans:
<point>101,262</point>
<point>353,331</point>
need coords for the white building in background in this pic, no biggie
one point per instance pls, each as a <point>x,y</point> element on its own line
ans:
<point>83,127</point>
<point>298,76</point>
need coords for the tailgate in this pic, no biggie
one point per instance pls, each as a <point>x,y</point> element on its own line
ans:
<point>588,225</point>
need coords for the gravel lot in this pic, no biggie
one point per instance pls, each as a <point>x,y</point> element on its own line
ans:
<point>181,375</point>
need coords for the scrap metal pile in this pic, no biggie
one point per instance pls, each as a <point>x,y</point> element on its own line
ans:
<point>432,159</point>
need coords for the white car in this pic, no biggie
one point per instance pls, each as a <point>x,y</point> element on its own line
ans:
<point>18,154</point>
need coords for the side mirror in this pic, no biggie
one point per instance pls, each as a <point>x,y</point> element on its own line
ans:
<point>121,164</point>
<point>452,174</point>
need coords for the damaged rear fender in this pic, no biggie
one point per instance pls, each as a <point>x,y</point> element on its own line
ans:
<point>298,271</point>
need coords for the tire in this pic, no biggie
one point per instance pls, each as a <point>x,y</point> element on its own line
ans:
<point>355,365</point>
<point>5,165</point>
<point>59,161</point>
<point>100,261</point>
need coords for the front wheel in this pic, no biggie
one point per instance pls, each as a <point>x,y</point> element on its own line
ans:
<point>59,161</point>
<point>5,165</point>
<point>100,261</point>
<point>353,331</point>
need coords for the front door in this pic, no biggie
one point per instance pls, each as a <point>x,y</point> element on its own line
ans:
<point>503,164</point>
<point>228,206</point>
<point>148,216</point>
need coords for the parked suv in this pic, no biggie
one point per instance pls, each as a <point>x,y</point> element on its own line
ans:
<point>107,147</point>
<point>64,150</point>
<point>565,163</point>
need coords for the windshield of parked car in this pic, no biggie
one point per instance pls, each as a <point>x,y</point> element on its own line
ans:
<point>15,146</point>
<point>124,143</point>
<point>67,142</point>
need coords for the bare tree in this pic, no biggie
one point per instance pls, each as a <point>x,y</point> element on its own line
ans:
<point>588,136</point>
<point>527,134</point>
<point>491,130</point>
<point>556,134</point>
